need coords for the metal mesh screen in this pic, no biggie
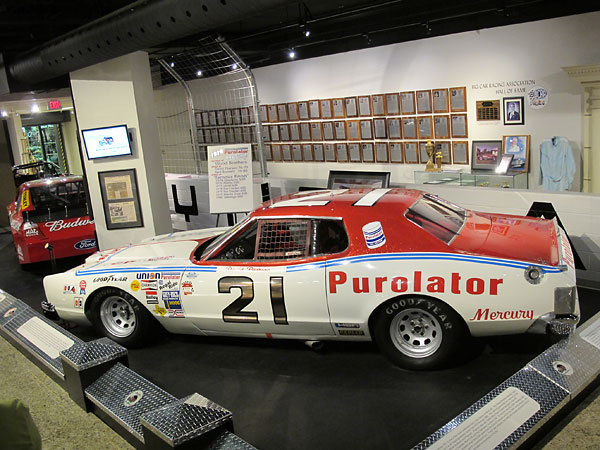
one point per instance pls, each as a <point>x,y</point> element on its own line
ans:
<point>283,239</point>
<point>204,96</point>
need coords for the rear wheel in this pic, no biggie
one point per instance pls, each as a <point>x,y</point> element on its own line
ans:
<point>419,333</point>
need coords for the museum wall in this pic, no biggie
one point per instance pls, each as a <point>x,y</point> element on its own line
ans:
<point>491,63</point>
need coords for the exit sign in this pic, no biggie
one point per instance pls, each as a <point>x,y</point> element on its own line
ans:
<point>54,104</point>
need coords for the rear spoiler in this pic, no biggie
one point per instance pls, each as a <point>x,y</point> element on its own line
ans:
<point>565,254</point>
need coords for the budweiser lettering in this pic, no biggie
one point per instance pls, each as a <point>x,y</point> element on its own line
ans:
<point>57,225</point>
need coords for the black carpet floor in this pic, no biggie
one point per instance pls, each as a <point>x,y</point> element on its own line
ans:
<point>285,396</point>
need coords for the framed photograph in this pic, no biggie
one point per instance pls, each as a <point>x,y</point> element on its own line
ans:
<point>276,151</point>
<point>268,152</point>
<point>297,152</point>
<point>396,152</point>
<point>458,99</point>
<point>328,131</point>
<point>326,111</point>
<point>303,111</point>
<point>460,152</point>
<point>251,118</point>
<point>266,134</point>
<point>459,125</point>
<point>274,130</point>
<point>214,135</point>
<point>205,120</point>
<point>518,146</point>
<point>120,199</point>
<point>366,149</point>
<point>238,135</point>
<point>307,153</point>
<point>342,152</point>
<point>245,112</point>
<point>198,118</point>
<point>514,113</point>
<point>272,113</point>
<point>340,130</point>
<point>444,147</point>
<point>284,132</point>
<point>425,128</point>
<point>212,118</point>
<point>424,102</point>
<point>392,104</point>
<point>440,100</point>
<point>485,155</point>
<point>247,135</point>
<point>351,107</point>
<point>364,106</point>
<point>263,114</point>
<point>286,152</point>
<point>394,129</point>
<point>221,117</point>
<point>504,164</point>
<point>407,102</point>
<point>366,129</point>
<point>340,179</point>
<point>378,105</point>
<point>282,112</point>
<point>338,108</point>
<point>318,152</point>
<point>237,116</point>
<point>409,127</point>
<point>353,130</point>
<point>379,128</point>
<point>200,136</point>
<point>330,152</point>
<point>305,131</point>
<point>230,135</point>
<point>354,152</point>
<point>292,111</point>
<point>222,136</point>
<point>381,152</point>
<point>441,126</point>
<point>411,152</point>
<point>313,109</point>
<point>423,156</point>
<point>294,131</point>
<point>228,117</point>
<point>316,132</point>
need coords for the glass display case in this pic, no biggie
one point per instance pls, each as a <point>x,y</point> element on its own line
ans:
<point>481,179</point>
<point>45,144</point>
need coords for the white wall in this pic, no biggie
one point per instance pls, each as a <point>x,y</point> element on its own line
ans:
<point>525,53</point>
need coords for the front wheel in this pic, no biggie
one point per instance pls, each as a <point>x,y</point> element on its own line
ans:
<point>419,333</point>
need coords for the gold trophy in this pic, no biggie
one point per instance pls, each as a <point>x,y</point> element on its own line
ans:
<point>430,166</point>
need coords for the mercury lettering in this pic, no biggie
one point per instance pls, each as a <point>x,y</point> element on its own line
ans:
<point>485,314</point>
<point>419,282</point>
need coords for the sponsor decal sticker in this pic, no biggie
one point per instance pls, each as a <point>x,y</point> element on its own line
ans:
<point>373,233</point>
<point>171,299</point>
<point>109,278</point>
<point>78,302</point>
<point>347,325</point>
<point>148,275</point>
<point>135,285</point>
<point>187,287</point>
<point>166,285</point>
<point>152,297</point>
<point>58,225</point>
<point>171,275</point>
<point>69,289</point>
<point>25,200</point>
<point>149,284</point>
<point>32,232</point>
<point>175,313</point>
<point>159,311</point>
<point>191,275</point>
<point>85,244</point>
<point>82,286</point>
<point>9,312</point>
<point>351,332</point>
<point>486,314</point>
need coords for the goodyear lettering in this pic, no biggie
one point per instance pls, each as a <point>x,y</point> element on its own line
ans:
<point>485,314</point>
<point>419,283</point>
<point>109,278</point>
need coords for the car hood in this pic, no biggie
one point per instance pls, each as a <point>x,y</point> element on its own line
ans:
<point>528,239</point>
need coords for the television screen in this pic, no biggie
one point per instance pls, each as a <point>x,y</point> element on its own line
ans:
<point>107,141</point>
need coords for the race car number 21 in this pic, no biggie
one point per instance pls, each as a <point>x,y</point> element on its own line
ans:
<point>233,313</point>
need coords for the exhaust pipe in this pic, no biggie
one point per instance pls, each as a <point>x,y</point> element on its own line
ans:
<point>315,345</point>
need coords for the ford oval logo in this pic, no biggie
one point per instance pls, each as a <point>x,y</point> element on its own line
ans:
<point>85,244</point>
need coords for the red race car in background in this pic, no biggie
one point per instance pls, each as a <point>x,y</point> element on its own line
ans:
<point>51,211</point>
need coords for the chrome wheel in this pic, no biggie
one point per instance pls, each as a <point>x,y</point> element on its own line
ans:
<point>416,333</point>
<point>117,316</point>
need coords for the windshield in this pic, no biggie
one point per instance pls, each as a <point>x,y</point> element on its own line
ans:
<point>221,238</point>
<point>439,217</point>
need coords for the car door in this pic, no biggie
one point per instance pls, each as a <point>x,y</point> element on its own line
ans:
<point>262,281</point>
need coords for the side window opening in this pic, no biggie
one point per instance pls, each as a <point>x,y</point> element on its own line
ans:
<point>241,248</point>
<point>283,239</point>
<point>330,237</point>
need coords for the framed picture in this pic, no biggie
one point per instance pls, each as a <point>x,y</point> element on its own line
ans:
<point>230,135</point>
<point>292,111</point>
<point>305,131</point>
<point>221,117</point>
<point>326,112</point>
<point>518,146</point>
<point>307,153</point>
<point>396,152</point>
<point>286,152</point>
<point>268,152</point>
<point>276,150</point>
<point>514,113</point>
<point>318,152</point>
<point>353,130</point>
<point>366,149</point>
<point>313,109</point>
<point>354,152</point>
<point>282,112</point>
<point>222,136</point>
<point>392,104</point>
<point>205,120</point>
<point>214,135</point>
<point>330,152</point>
<point>303,111</point>
<point>340,179</point>
<point>272,113</point>
<point>338,108</point>
<point>394,129</point>
<point>342,152</point>
<point>297,152</point>
<point>212,118</point>
<point>379,128</point>
<point>407,102</point>
<point>120,199</point>
<point>458,99</point>
<point>198,118</point>
<point>381,152</point>
<point>441,126</point>
<point>409,127</point>
<point>411,152</point>
<point>228,117</point>
<point>366,129</point>
<point>425,128</point>
<point>316,132</point>
<point>340,130</point>
<point>459,125</point>
<point>274,129</point>
<point>351,107</point>
<point>364,106</point>
<point>200,136</point>
<point>284,132</point>
<point>294,131</point>
<point>378,105</point>
<point>251,118</point>
<point>460,152</point>
<point>444,147</point>
<point>485,155</point>
<point>440,100</point>
<point>424,102</point>
<point>245,112</point>
<point>328,131</point>
<point>247,134</point>
<point>237,116</point>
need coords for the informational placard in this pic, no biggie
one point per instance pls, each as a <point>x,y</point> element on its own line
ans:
<point>44,337</point>
<point>230,178</point>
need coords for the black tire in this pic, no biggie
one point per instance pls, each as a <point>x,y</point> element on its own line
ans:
<point>120,317</point>
<point>419,333</point>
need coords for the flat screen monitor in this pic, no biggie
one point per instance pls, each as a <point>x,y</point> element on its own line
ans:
<point>106,142</point>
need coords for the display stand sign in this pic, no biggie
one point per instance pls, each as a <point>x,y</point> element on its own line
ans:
<point>230,178</point>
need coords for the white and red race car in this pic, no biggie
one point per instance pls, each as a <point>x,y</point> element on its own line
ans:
<point>416,274</point>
